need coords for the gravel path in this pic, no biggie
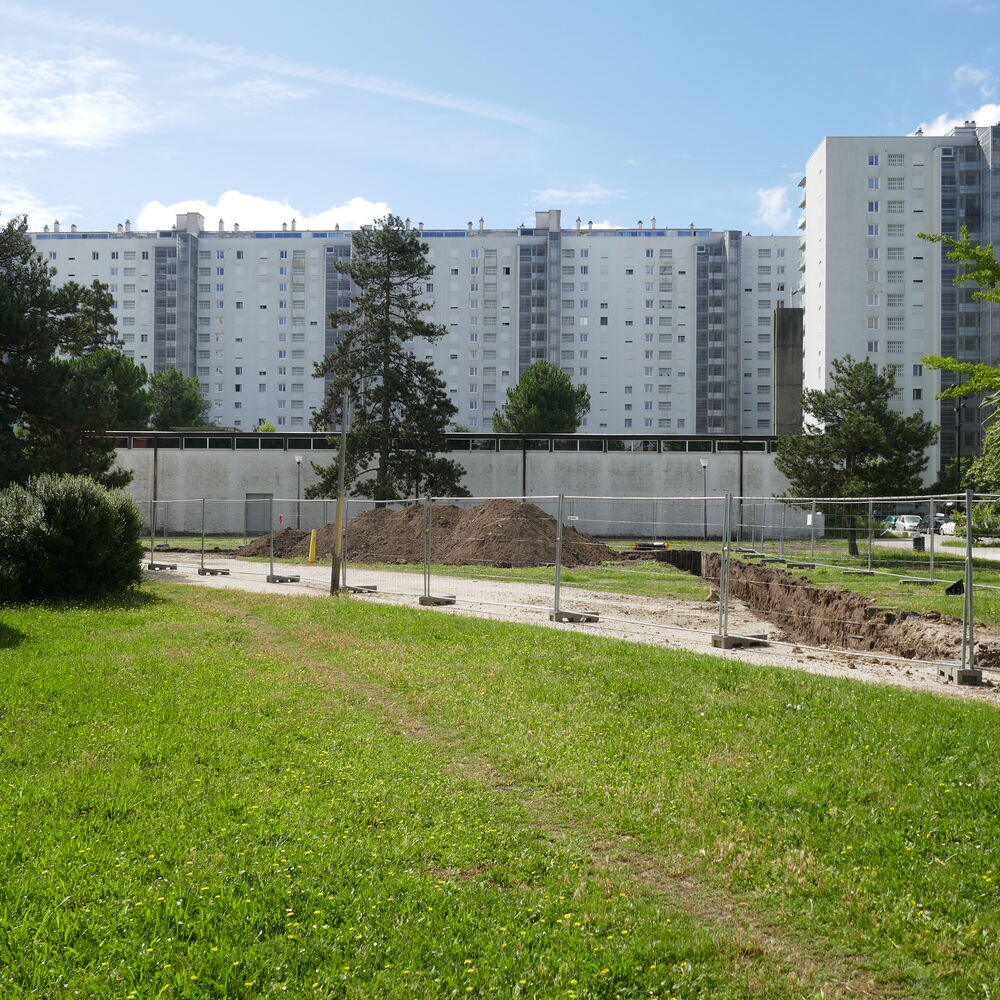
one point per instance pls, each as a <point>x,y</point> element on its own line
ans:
<point>666,622</point>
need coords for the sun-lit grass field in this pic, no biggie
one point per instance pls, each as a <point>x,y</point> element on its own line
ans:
<point>215,794</point>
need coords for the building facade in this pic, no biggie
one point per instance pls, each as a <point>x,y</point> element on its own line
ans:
<point>872,288</point>
<point>669,329</point>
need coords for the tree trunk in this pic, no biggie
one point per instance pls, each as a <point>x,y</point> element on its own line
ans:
<point>852,536</point>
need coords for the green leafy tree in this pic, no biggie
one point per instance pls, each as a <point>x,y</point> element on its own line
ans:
<point>58,394</point>
<point>127,382</point>
<point>399,407</point>
<point>855,444</point>
<point>977,263</point>
<point>544,401</point>
<point>176,400</point>
<point>265,427</point>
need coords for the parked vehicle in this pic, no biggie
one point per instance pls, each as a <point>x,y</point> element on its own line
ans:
<point>911,523</point>
<point>947,528</point>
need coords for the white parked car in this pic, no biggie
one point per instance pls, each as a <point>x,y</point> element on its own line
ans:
<point>948,528</point>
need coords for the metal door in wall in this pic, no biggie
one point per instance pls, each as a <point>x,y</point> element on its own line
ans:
<point>258,510</point>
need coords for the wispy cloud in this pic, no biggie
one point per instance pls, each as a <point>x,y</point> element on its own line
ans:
<point>970,76</point>
<point>241,58</point>
<point>261,92</point>
<point>582,194</point>
<point>82,102</point>
<point>774,208</point>
<point>986,114</point>
<point>17,200</point>
<point>253,212</point>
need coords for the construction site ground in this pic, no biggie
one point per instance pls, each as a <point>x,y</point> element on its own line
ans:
<point>671,623</point>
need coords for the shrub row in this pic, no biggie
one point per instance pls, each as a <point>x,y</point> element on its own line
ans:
<point>66,537</point>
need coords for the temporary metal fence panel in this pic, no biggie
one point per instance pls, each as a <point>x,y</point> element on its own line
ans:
<point>658,562</point>
<point>384,547</point>
<point>492,552</point>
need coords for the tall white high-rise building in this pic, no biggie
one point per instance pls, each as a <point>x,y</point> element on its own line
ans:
<point>670,329</point>
<point>872,288</point>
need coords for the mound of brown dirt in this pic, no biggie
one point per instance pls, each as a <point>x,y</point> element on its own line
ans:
<point>504,533</point>
<point>287,543</point>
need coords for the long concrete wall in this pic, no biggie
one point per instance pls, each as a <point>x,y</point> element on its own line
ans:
<point>176,475</point>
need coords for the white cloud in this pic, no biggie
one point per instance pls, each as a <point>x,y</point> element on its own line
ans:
<point>774,209</point>
<point>583,194</point>
<point>82,102</point>
<point>241,58</point>
<point>986,114</point>
<point>970,76</point>
<point>263,92</point>
<point>17,200</point>
<point>253,212</point>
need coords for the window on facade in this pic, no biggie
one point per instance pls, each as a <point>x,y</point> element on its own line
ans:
<point>873,206</point>
<point>872,183</point>
<point>872,347</point>
<point>894,183</point>
<point>873,229</point>
<point>894,207</point>
<point>873,159</point>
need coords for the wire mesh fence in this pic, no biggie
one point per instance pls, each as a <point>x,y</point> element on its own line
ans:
<point>848,575</point>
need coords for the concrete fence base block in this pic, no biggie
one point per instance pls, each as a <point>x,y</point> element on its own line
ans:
<point>801,565</point>
<point>368,588</point>
<point>161,566</point>
<point>958,675</point>
<point>431,602</point>
<point>917,582</point>
<point>860,572</point>
<point>738,641</point>
<point>206,571</point>
<point>573,616</point>
<point>280,578</point>
<point>773,559</point>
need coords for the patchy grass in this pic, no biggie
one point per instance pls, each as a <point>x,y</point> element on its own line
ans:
<point>213,794</point>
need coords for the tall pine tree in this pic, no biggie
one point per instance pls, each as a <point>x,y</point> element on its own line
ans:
<point>58,393</point>
<point>399,407</point>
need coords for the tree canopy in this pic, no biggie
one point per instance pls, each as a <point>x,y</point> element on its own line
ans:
<point>175,400</point>
<point>60,387</point>
<point>544,401</point>
<point>978,263</point>
<point>855,444</point>
<point>399,407</point>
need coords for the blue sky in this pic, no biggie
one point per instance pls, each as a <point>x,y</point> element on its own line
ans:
<point>445,112</point>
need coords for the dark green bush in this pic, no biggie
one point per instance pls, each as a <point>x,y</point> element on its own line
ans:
<point>67,537</point>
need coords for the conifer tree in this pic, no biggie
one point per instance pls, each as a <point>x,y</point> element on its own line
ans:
<point>399,407</point>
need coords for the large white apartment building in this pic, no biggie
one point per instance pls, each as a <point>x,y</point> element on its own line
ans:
<point>872,288</point>
<point>670,329</point>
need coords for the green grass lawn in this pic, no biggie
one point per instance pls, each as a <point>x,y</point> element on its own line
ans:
<point>216,794</point>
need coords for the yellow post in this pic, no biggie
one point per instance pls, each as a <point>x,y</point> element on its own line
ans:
<point>312,546</point>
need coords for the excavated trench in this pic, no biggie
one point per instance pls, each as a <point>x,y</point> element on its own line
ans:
<point>834,618</point>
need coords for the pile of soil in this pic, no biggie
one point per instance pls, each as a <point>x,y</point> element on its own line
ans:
<point>828,616</point>
<point>503,533</point>
<point>287,543</point>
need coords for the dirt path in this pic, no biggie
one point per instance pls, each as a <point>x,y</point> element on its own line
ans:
<point>775,952</point>
<point>659,621</point>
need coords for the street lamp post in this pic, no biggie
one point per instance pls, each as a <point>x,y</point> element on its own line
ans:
<point>704,498</point>
<point>298,492</point>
